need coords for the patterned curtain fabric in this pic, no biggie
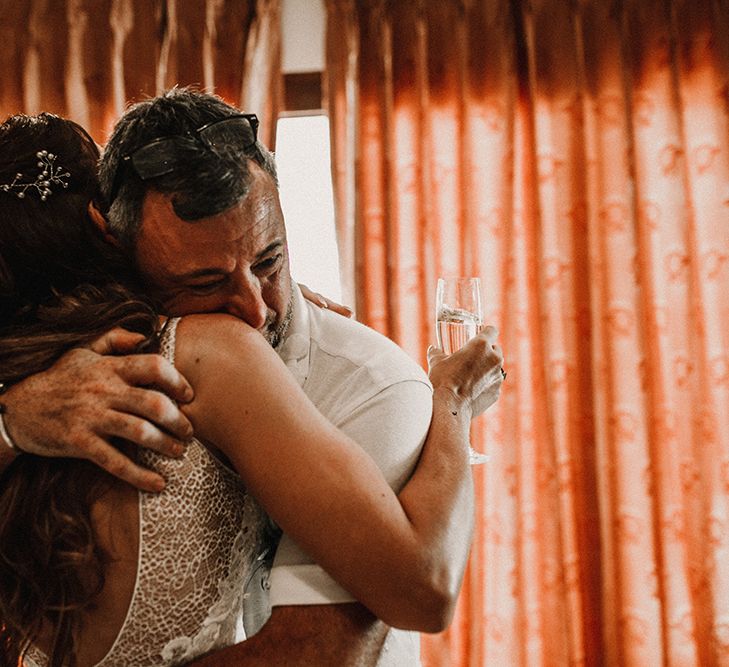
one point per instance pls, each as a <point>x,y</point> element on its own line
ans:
<point>575,155</point>
<point>86,59</point>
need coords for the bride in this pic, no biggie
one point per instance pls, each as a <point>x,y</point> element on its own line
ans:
<point>95,572</point>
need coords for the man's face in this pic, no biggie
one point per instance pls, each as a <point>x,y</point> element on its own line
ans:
<point>235,262</point>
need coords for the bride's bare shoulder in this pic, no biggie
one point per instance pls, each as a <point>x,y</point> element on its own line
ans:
<point>213,325</point>
<point>206,339</point>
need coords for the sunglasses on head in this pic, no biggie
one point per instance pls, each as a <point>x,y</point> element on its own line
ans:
<point>163,155</point>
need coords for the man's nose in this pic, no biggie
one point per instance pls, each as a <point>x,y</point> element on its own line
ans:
<point>247,304</point>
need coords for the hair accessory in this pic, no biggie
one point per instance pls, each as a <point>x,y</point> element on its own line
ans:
<point>49,175</point>
<point>4,435</point>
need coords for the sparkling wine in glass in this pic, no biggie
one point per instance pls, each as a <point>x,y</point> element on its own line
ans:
<point>458,318</point>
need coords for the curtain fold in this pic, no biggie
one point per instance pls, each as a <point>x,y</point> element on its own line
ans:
<point>341,46</point>
<point>575,155</point>
<point>87,59</point>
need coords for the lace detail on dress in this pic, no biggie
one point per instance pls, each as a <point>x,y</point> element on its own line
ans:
<point>206,530</point>
<point>33,658</point>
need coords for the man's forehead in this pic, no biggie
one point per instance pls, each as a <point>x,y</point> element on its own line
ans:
<point>261,222</point>
<point>175,249</point>
<point>250,218</point>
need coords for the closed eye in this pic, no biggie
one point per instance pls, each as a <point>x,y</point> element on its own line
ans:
<point>268,264</point>
<point>206,288</point>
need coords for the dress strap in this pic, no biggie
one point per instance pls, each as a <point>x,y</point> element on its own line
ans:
<point>167,339</point>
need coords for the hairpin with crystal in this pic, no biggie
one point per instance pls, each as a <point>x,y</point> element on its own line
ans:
<point>49,175</point>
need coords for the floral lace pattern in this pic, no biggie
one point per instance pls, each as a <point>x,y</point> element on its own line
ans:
<point>198,541</point>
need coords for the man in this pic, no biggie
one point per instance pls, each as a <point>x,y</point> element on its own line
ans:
<point>193,197</point>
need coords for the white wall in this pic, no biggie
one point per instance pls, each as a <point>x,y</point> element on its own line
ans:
<point>302,157</point>
<point>302,26</point>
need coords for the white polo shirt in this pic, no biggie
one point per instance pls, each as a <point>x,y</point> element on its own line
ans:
<point>376,394</point>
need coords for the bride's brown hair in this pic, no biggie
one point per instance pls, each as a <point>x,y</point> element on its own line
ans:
<point>61,285</point>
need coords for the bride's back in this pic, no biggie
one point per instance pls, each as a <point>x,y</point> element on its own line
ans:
<point>179,562</point>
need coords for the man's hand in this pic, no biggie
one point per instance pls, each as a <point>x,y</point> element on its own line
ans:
<point>308,636</point>
<point>88,397</point>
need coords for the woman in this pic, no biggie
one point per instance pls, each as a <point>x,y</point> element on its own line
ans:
<point>94,572</point>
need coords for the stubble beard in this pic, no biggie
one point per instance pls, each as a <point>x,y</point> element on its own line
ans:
<point>276,335</point>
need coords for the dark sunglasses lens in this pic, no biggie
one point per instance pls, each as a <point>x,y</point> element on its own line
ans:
<point>236,133</point>
<point>156,159</point>
<point>163,156</point>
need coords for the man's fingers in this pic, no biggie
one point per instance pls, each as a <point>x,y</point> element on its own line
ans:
<point>154,370</point>
<point>116,341</point>
<point>156,407</point>
<point>117,464</point>
<point>324,302</point>
<point>336,307</point>
<point>314,297</point>
<point>144,434</point>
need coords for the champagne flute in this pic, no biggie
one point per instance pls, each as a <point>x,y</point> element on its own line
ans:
<point>458,318</point>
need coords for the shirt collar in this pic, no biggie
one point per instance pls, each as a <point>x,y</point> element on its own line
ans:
<point>294,351</point>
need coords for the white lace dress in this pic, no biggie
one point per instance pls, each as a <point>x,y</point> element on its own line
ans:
<point>198,541</point>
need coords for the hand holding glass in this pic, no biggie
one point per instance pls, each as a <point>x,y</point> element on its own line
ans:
<point>458,318</point>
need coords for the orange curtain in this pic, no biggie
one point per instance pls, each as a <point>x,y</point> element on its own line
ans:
<point>86,59</point>
<point>575,155</point>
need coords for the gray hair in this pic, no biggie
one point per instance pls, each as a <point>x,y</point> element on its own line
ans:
<point>206,183</point>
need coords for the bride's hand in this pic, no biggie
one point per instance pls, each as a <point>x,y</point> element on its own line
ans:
<point>324,302</point>
<point>473,374</point>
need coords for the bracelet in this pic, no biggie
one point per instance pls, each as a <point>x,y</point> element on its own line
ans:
<point>4,435</point>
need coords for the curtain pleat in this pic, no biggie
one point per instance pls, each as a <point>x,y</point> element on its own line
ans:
<point>341,99</point>
<point>87,59</point>
<point>227,25</point>
<point>12,55</point>
<point>137,36</point>
<point>45,61</point>
<point>575,155</point>
<point>262,87</point>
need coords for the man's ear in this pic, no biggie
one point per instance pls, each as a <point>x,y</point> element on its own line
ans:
<point>97,217</point>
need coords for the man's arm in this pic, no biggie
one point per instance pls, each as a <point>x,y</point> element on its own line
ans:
<point>88,397</point>
<point>308,636</point>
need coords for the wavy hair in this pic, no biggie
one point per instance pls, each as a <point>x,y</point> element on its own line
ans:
<point>61,285</point>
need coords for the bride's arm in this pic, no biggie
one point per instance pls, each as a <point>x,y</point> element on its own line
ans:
<point>403,557</point>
